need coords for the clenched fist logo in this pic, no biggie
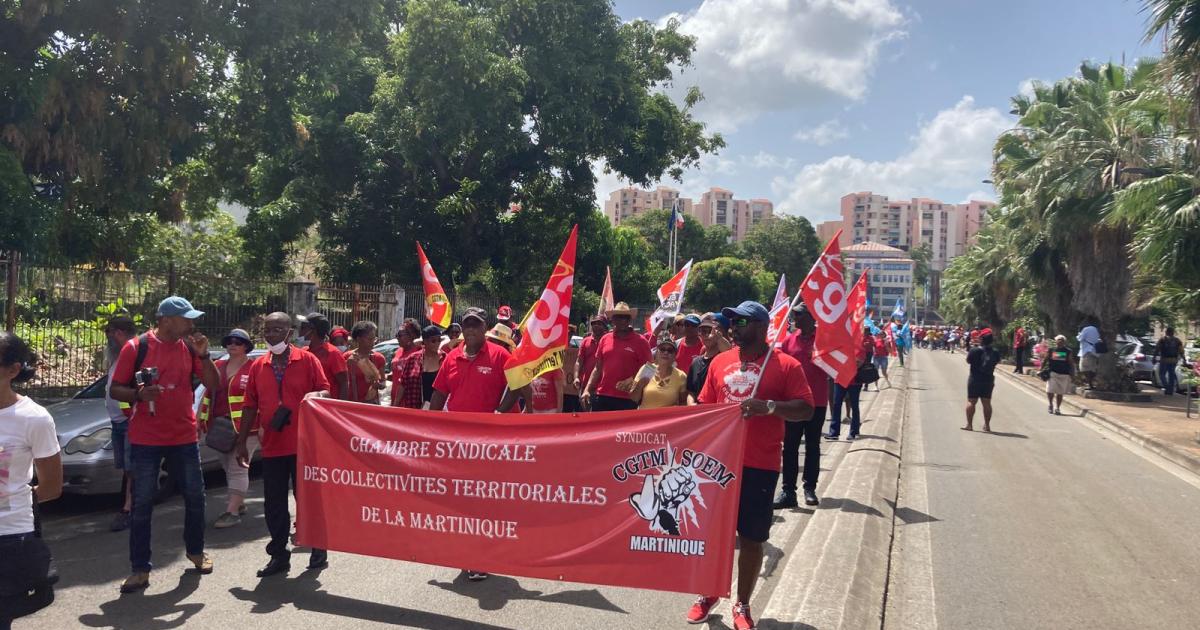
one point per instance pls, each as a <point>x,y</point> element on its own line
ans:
<point>660,503</point>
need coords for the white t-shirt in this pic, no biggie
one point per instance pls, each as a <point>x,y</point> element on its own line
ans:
<point>26,434</point>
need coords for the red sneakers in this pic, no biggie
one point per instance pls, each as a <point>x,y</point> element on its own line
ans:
<point>741,617</point>
<point>700,610</point>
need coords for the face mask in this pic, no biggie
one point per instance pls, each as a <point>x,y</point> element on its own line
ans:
<point>278,348</point>
<point>343,347</point>
<point>302,343</point>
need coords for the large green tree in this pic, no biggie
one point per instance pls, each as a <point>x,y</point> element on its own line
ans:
<point>720,282</point>
<point>693,241</point>
<point>784,244</point>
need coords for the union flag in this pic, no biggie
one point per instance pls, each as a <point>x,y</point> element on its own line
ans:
<point>547,328</point>
<point>437,305</point>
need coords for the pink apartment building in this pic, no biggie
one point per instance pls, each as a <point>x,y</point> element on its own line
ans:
<point>717,206</point>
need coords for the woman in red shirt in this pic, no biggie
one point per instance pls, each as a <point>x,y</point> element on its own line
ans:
<point>365,365</point>
<point>226,402</point>
<point>418,371</point>
<point>407,336</point>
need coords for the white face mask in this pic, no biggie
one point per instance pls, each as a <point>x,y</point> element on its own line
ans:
<point>302,342</point>
<point>278,348</point>
<point>343,347</point>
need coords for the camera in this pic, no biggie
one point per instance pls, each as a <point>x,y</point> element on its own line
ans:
<point>146,377</point>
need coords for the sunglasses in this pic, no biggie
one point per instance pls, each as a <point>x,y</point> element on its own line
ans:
<point>739,322</point>
<point>667,350</point>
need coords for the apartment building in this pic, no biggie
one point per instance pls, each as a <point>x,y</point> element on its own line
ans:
<point>891,274</point>
<point>717,206</point>
<point>629,201</point>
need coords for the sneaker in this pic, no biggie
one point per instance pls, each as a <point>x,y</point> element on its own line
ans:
<point>741,617</point>
<point>242,510</point>
<point>831,437</point>
<point>120,522</point>
<point>476,576</point>
<point>786,499</point>
<point>135,582</point>
<point>701,609</point>
<point>1058,412</point>
<point>1050,409</point>
<point>203,562</point>
<point>851,438</point>
<point>227,520</point>
<point>810,497</point>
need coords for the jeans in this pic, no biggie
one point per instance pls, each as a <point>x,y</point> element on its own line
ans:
<point>1168,378</point>
<point>840,395</point>
<point>811,432</point>
<point>279,476</point>
<point>183,466</point>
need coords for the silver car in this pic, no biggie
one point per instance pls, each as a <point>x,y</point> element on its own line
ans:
<point>85,436</point>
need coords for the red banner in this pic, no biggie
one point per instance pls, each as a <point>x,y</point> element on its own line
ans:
<point>824,292</point>
<point>644,499</point>
<point>437,305</point>
<point>547,326</point>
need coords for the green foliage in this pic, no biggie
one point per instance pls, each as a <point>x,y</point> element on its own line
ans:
<point>695,241</point>
<point>106,312</point>
<point>211,247</point>
<point>727,281</point>
<point>785,244</point>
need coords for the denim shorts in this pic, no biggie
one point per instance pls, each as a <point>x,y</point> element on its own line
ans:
<point>120,446</point>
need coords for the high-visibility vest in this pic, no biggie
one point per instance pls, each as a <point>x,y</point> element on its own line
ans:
<point>236,393</point>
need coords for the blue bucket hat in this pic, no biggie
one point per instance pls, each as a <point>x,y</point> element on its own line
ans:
<point>750,310</point>
<point>176,306</point>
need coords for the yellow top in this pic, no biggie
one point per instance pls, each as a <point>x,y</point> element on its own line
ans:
<point>664,392</point>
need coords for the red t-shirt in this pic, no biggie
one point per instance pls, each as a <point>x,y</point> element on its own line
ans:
<point>545,391</point>
<point>473,384</point>
<point>231,385</point>
<point>685,353</point>
<point>800,348</point>
<point>358,381</point>
<point>622,359</point>
<point>398,370</point>
<point>174,419</point>
<point>587,357</point>
<point>303,374</point>
<point>784,380</point>
<point>333,363</point>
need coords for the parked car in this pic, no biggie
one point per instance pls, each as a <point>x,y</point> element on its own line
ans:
<point>388,350</point>
<point>85,436</point>
<point>1137,354</point>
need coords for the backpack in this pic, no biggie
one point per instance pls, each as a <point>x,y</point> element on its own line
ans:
<point>142,349</point>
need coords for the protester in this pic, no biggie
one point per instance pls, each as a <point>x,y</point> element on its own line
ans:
<point>1057,370</point>
<point>771,389</point>
<point>983,359</point>
<point>501,335</point>
<point>340,338</point>
<point>504,315</point>
<point>224,405</point>
<point>689,346</point>
<point>660,383</point>
<point>279,381</point>
<point>880,356</point>
<point>1089,355</point>
<point>850,395</point>
<point>154,372</point>
<point>676,329</point>
<point>799,346</point>
<point>27,443</point>
<point>1020,343</point>
<point>419,370</point>
<point>407,337</point>
<point>314,329</point>
<point>714,343</point>
<point>452,338</point>
<point>472,379</point>
<point>547,392</point>
<point>587,355</point>
<point>364,365</point>
<point>570,360</point>
<point>1168,351</point>
<point>118,331</point>
<point>619,356</point>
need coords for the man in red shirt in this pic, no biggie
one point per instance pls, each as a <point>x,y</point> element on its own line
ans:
<point>472,379</point>
<point>279,381</point>
<point>799,346</point>
<point>157,380</point>
<point>690,346</point>
<point>771,389</point>
<point>587,353</point>
<point>314,332</point>
<point>619,356</point>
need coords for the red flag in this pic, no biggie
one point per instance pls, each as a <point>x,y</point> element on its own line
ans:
<point>548,325</point>
<point>858,314</point>
<point>437,305</point>
<point>778,328</point>
<point>824,292</point>
<point>670,296</point>
<point>781,294</point>
<point>606,295</point>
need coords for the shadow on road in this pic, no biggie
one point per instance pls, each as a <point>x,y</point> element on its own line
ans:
<point>849,505</point>
<point>498,590</point>
<point>910,516</point>
<point>156,612</point>
<point>1004,434</point>
<point>303,592</point>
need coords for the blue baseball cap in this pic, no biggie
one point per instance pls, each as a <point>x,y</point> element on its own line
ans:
<point>176,306</point>
<point>692,319</point>
<point>749,309</point>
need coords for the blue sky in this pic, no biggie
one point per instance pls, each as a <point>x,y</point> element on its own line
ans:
<point>817,98</point>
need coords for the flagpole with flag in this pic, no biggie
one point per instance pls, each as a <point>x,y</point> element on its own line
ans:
<point>606,295</point>
<point>437,305</point>
<point>670,297</point>
<point>548,324</point>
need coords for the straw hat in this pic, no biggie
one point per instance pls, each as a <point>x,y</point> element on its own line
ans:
<point>503,334</point>
<point>622,308</point>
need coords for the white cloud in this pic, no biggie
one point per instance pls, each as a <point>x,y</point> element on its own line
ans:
<point>950,154</point>
<point>823,134</point>
<point>769,161</point>
<point>756,56</point>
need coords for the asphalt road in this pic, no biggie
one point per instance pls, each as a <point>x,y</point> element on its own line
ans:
<point>354,592</point>
<point>1048,522</point>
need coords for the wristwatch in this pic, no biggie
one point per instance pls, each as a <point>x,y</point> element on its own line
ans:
<point>771,407</point>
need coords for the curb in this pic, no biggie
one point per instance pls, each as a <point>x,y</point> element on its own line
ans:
<point>1164,450</point>
<point>836,575</point>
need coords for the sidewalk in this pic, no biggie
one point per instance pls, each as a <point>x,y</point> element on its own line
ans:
<point>1159,425</point>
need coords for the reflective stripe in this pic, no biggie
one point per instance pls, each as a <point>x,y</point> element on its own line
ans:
<point>235,415</point>
<point>122,405</point>
<point>236,399</point>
